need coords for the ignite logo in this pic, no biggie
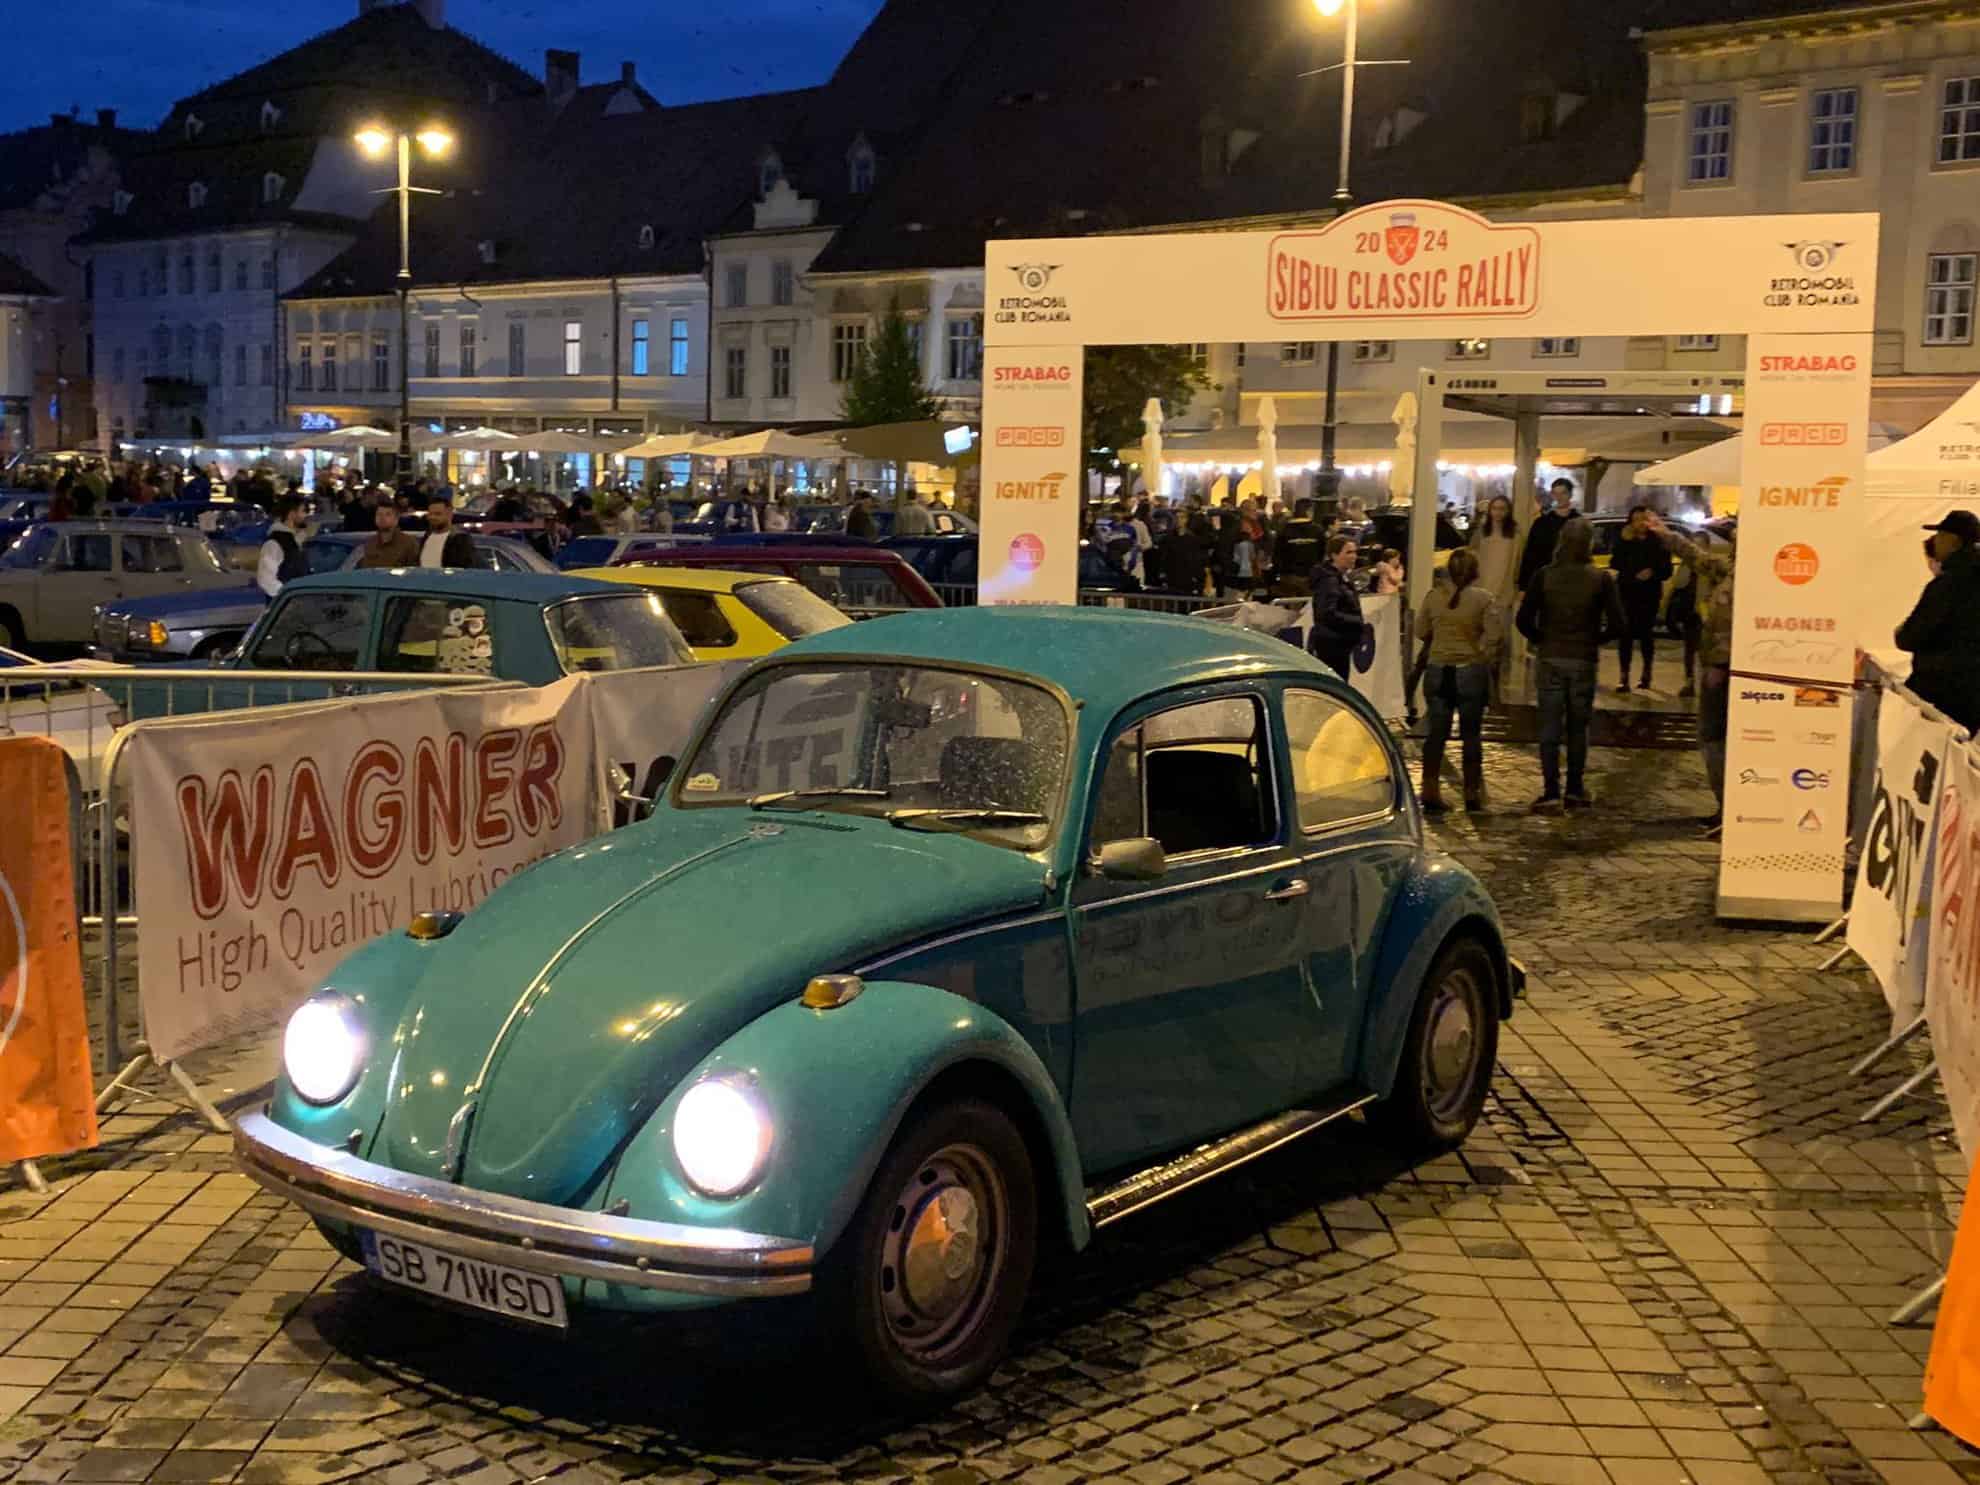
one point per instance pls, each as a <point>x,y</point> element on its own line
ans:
<point>1822,495</point>
<point>1045,487</point>
<point>1796,563</point>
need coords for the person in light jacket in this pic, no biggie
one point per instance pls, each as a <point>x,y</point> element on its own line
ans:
<point>1463,627</point>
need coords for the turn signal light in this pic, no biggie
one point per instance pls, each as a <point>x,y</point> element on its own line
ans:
<point>829,992</point>
<point>432,925</point>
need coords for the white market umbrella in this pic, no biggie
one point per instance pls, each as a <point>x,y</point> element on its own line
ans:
<point>467,438</point>
<point>1151,447</point>
<point>357,436</point>
<point>772,443</point>
<point>1402,468</point>
<point>570,443</point>
<point>1268,451</point>
<point>668,446</point>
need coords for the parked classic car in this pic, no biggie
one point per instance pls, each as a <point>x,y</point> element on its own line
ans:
<point>54,577</point>
<point>860,580</point>
<point>729,615</point>
<point>177,627</point>
<point>1037,962</point>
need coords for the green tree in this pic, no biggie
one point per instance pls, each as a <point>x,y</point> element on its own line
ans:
<point>1121,378</point>
<point>885,385</point>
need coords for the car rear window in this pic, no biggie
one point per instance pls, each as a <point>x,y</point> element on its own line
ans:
<point>699,618</point>
<point>614,632</point>
<point>791,609</point>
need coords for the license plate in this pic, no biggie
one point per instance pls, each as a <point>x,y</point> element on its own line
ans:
<point>511,1293</point>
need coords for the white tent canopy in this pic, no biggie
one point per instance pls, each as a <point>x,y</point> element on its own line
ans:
<point>467,438</point>
<point>1911,484</point>
<point>668,446</point>
<point>772,443</point>
<point>357,436</point>
<point>1719,463</point>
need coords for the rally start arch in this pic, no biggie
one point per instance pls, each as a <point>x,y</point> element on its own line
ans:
<point>1800,288</point>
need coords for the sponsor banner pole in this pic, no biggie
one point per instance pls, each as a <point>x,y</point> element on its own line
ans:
<point>1793,657</point>
<point>1034,468</point>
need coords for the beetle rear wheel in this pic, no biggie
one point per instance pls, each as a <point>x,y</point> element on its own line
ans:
<point>929,1278</point>
<point>1449,1052</point>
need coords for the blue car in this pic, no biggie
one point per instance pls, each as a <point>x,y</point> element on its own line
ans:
<point>175,628</point>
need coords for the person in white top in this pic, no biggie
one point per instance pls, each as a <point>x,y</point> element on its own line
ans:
<point>1495,538</point>
<point>281,558</point>
<point>776,515</point>
<point>443,546</point>
<point>913,519</point>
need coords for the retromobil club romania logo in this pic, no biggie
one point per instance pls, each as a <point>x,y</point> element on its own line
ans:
<point>1400,261</point>
<point>1796,563</point>
<point>1032,305</point>
<point>1815,283</point>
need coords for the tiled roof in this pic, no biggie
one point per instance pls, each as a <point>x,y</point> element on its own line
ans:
<point>1669,15</point>
<point>16,280</point>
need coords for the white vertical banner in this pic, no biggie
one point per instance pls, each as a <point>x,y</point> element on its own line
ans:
<point>1952,978</point>
<point>1033,470</point>
<point>1793,651</point>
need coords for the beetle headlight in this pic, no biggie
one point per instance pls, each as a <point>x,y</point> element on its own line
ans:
<point>721,1137</point>
<point>323,1048</point>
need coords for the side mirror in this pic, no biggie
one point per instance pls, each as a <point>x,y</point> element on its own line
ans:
<point>1138,859</point>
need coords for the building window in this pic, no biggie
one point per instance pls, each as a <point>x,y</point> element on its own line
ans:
<point>848,345</point>
<point>1538,113</point>
<point>240,364</point>
<point>1557,345</point>
<point>768,173</point>
<point>1470,350</point>
<point>646,236</point>
<point>1711,142</point>
<point>215,355</point>
<point>783,283</point>
<point>737,285</point>
<point>194,126</point>
<point>213,271</point>
<point>1698,342</point>
<point>270,116</point>
<point>735,376</point>
<point>518,346</point>
<point>1296,353</point>
<point>1949,299</point>
<point>117,364</point>
<point>267,365</point>
<point>467,348</point>
<point>642,334</point>
<point>271,188</point>
<point>117,282</point>
<point>1240,355</point>
<point>1374,350</point>
<point>267,273</point>
<point>1199,352</point>
<point>240,274</point>
<point>330,363</point>
<point>161,273</point>
<point>780,371</point>
<point>140,365</point>
<point>381,363</point>
<point>196,195</point>
<point>677,347</point>
<point>573,347</point>
<point>305,367</point>
<point>965,348</point>
<point>862,170</point>
<point>1832,130</point>
<point>432,347</point>
<point>185,273</point>
<point>1959,121</point>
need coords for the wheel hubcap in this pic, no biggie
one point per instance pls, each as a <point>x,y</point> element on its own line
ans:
<point>1450,1053</point>
<point>943,1253</point>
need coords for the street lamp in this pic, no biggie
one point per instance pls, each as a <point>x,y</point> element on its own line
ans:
<point>375,140</point>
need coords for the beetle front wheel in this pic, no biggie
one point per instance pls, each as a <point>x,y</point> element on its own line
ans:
<point>1448,1053</point>
<point>928,1280</point>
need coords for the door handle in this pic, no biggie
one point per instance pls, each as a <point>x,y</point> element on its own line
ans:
<point>1297,887</point>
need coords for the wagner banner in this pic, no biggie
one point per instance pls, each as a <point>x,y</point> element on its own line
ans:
<point>46,1103</point>
<point>1889,913</point>
<point>1952,973</point>
<point>268,844</point>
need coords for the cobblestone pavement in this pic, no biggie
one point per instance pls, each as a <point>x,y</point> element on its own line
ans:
<point>1666,1257</point>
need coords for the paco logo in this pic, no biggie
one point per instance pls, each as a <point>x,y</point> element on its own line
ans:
<point>1804,435</point>
<point>1796,563</point>
<point>1822,495</point>
<point>1809,778</point>
<point>1045,487</point>
<point>1036,436</point>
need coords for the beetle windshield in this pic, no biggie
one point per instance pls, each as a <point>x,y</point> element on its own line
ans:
<point>902,741</point>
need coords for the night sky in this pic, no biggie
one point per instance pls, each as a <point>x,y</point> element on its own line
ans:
<point>137,56</point>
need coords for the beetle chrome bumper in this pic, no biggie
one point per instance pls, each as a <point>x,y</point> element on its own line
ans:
<point>554,1241</point>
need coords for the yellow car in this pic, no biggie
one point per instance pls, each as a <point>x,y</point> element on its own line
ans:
<point>730,615</point>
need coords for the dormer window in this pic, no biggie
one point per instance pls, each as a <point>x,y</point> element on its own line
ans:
<point>120,203</point>
<point>270,116</point>
<point>1398,126</point>
<point>1536,117</point>
<point>646,236</point>
<point>486,248</point>
<point>271,187</point>
<point>768,173</point>
<point>196,195</point>
<point>861,163</point>
<point>195,126</point>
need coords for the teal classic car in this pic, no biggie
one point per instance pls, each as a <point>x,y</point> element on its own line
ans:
<point>956,934</point>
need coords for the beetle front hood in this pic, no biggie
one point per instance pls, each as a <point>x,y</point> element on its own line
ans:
<point>594,982</point>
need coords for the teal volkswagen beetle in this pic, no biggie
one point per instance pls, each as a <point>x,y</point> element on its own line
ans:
<point>956,934</point>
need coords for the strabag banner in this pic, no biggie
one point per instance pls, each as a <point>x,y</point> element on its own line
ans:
<point>1952,975</point>
<point>47,1106</point>
<point>1793,651</point>
<point>268,844</point>
<point>1034,467</point>
<point>1889,913</point>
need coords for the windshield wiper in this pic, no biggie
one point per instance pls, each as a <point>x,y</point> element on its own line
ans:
<point>963,819</point>
<point>798,796</point>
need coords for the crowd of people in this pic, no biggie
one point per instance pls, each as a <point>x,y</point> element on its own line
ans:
<point>1231,551</point>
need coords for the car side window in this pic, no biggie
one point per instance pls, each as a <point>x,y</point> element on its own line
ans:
<point>699,618</point>
<point>88,551</point>
<point>431,635</point>
<point>152,554</point>
<point>1340,768</point>
<point>855,587</point>
<point>1196,778</point>
<point>314,631</point>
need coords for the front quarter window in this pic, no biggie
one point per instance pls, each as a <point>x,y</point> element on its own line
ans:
<point>614,632</point>
<point>36,547</point>
<point>791,609</point>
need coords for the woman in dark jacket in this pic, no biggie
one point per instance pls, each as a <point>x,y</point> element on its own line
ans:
<point>1642,565</point>
<point>1337,621</point>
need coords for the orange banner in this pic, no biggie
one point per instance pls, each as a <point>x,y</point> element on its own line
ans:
<point>1952,1374</point>
<point>47,1105</point>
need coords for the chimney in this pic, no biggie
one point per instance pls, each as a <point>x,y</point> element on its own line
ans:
<point>106,118</point>
<point>560,76</point>
<point>59,120</point>
<point>433,12</point>
<point>366,7</point>
<point>626,78</point>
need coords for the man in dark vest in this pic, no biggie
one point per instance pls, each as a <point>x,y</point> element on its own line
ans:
<point>281,558</point>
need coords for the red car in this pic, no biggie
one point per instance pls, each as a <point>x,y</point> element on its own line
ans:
<point>861,581</point>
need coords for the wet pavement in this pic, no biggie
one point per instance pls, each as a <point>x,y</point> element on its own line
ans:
<point>1667,1256</point>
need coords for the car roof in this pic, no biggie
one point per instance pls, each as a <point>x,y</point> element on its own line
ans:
<point>1104,657</point>
<point>688,579</point>
<point>746,554</point>
<point>462,582</point>
<point>126,525</point>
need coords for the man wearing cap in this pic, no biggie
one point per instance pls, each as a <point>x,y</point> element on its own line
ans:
<point>1943,632</point>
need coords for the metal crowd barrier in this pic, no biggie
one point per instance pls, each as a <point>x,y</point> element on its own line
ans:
<point>963,595</point>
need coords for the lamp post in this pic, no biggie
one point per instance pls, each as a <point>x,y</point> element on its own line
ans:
<point>434,142</point>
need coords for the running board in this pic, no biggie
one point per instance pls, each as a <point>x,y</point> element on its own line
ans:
<point>1145,1188</point>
